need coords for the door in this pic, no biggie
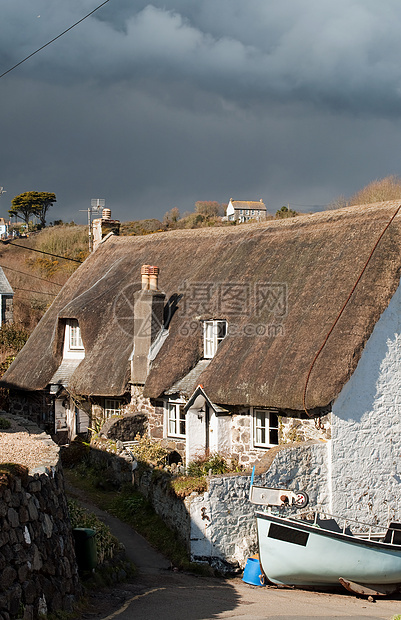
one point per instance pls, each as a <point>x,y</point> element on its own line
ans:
<point>212,440</point>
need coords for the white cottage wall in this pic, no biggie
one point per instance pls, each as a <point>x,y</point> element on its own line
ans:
<point>366,427</point>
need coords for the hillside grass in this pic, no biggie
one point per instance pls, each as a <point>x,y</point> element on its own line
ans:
<point>36,279</point>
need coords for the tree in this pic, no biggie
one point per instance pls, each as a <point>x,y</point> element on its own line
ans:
<point>32,203</point>
<point>44,201</point>
<point>285,212</point>
<point>209,208</point>
<point>171,217</point>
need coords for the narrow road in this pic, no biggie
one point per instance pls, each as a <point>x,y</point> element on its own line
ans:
<point>160,593</point>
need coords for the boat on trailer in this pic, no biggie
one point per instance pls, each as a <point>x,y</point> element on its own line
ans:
<point>317,549</point>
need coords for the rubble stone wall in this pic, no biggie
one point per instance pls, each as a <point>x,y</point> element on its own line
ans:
<point>175,512</point>
<point>38,569</point>
<point>295,428</point>
<point>35,406</point>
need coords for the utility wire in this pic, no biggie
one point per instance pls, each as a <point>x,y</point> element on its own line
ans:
<point>25,273</point>
<point>55,39</point>
<point>17,288</point>
<point>344,306</point>
<point>24,247</point>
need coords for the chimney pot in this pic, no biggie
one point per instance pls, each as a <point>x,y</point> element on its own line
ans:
<point>106,214</point>
<point>145,277</point>
<point>153,277</point>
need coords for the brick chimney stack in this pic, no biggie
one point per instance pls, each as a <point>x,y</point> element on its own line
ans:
<point>148,321</point>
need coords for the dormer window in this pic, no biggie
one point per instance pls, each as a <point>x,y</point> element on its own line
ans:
<point>213,333</point>
<point>75,335</point>
<point>73,345</point>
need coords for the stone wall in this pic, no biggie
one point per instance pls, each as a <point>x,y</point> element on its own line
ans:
<point>175,512</point>
<point>36,406</point>
<point>8,309</point>
<point>296,428</point>
<point>219,526</point>
<point>38,570</point>
<point>154,411</point>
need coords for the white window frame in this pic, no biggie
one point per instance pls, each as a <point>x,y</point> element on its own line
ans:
<point>174,417</point>
<point>212,336</point>
<point>73,345</point>
<point>112,406</point>
<point>264,428</point>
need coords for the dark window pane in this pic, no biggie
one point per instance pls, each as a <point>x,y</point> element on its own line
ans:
<point>222,329</point>
<point>273,420</point>
<point>274,436</point>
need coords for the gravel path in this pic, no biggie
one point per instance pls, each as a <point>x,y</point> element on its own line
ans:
<point>24,443</point>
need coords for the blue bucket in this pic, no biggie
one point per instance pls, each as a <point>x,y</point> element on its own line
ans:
<point>253,573</point>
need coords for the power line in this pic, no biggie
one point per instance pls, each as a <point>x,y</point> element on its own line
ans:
<point>25,273</point>
<point>55,39</point>
<point>17,288</point>
<point>24,247</point>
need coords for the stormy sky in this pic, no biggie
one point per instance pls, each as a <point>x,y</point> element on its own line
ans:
<point>157,105</point>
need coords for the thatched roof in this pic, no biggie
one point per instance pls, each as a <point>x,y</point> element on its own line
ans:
<point>316,258</point>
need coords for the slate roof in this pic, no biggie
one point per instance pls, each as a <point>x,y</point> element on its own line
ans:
<point>185,385</point>
<point>64,372</point>
<point>5,287</point>
<point>248,204</point>
<point>280,285</point>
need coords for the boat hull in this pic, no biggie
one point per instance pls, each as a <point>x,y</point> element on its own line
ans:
<point>295,553</point>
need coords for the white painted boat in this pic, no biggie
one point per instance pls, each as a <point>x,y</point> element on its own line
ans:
<point>316,549</point>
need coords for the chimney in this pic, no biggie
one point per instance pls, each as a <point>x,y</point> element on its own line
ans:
<point>104,226</point>
<point>148,321</point>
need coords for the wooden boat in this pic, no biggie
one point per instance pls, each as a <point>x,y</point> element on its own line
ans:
<point>315,549</point>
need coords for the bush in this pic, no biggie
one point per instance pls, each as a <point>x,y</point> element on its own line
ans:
<point>149,451</point>
<point>75,453</point>
<point>12,337</point>
<point>198,469</point>
<point>106,544</point>
<point>185,485</point>
<point>213,463</point>
<point>4,424</point>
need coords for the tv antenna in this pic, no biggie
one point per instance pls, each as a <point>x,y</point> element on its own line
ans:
<point>97,204</point>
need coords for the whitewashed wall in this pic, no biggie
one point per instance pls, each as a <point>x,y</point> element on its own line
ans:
<point>223,531</point>
<point>366,427</point>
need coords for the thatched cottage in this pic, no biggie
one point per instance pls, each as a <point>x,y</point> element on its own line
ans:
<point>237,339</point>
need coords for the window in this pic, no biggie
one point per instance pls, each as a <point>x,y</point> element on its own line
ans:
<point>213,334</point>
<point>73,345</point>
<point>112,407</point>
<point>175,419</point>
<point>75,335</point>
<point>265,428</point>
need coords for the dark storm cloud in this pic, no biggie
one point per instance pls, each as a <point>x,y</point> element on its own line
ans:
<point>157,105</point>
<point>339,54</point>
